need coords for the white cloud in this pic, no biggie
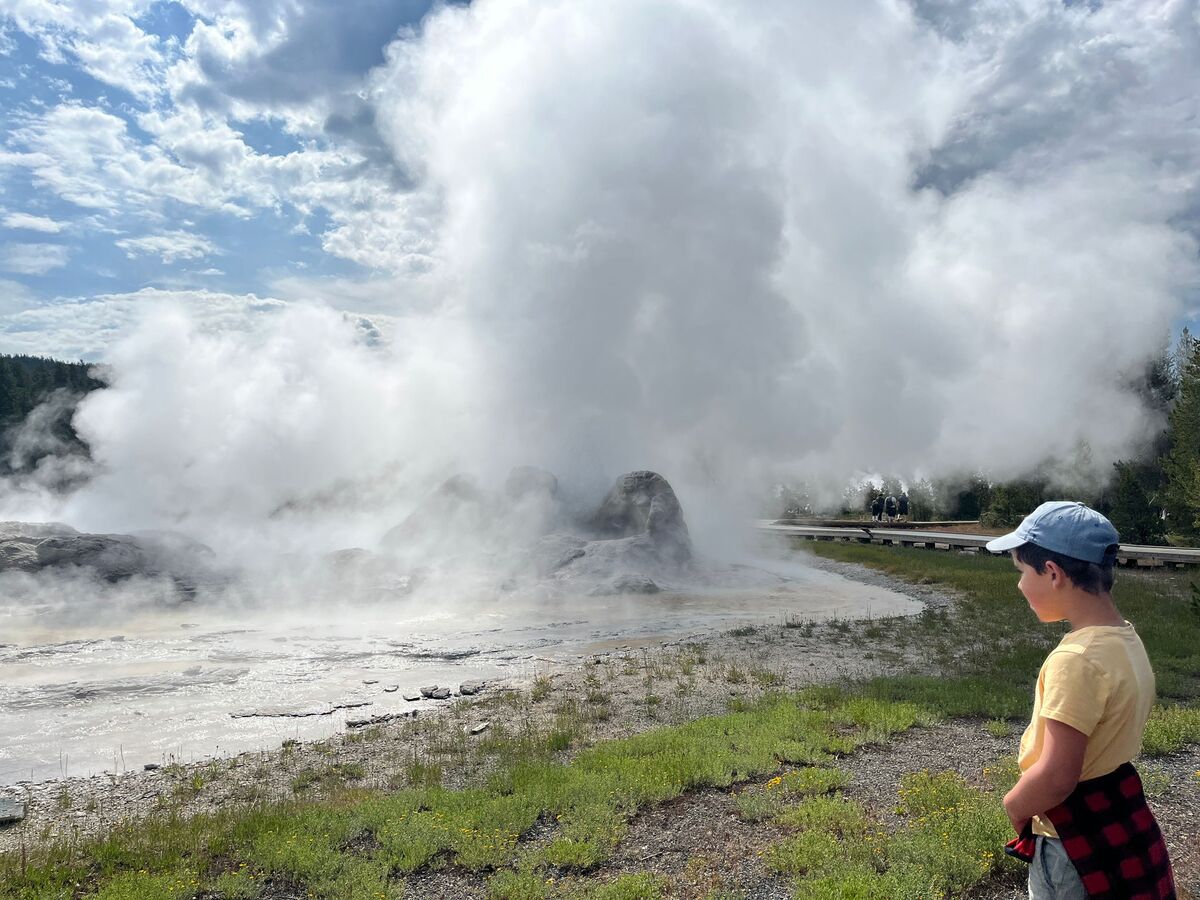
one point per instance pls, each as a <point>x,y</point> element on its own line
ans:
<point>33,259</point>
<point>101,37</point>
<point>119,53</point>
<point>170,246</point>
<point>33,223</point>
<point>87,156</point>
<point>88,327</point>
<point>14,297</point>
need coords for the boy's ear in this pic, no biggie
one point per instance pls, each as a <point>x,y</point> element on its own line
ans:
<point>1057,576</point>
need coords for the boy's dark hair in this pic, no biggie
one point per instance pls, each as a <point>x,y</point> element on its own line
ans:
<point>1095,578</point>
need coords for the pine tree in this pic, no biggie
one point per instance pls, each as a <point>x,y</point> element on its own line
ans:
<point>965,498</point>
<point>1182,461</point>
<point>1133,513</point>
<point>1012,501</point>
<point>922,501</point>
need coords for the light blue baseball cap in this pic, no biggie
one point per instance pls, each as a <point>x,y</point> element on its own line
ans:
<point>1063,526</point>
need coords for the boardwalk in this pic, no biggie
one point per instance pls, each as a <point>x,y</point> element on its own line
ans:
<point>1129,555</point>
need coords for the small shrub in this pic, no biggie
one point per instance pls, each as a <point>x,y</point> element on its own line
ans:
<point>813,780</point>
<point>765,678</point>
<point>1155,780</point>
<point>804,853</point>
<point>827,814</point>
<point>998,728</point>
<point>1170,728</point>
<point>570,853</point>
<point>757,806</point>
<point>542,686</point>
<point>642,886</point>
<point>509,885</point>
<point>327,778</point>
<point>417,773</point>
<point>1002,775</point>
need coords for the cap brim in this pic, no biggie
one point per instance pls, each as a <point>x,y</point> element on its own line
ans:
<point>1010,541</point>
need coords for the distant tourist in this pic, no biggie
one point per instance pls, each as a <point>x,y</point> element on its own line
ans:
<point>889,507</point>
<point>903,507</point>
<point>1078,809</point>
<point>876,509</point>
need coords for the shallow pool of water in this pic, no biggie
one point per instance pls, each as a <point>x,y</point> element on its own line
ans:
<point>83,692</point>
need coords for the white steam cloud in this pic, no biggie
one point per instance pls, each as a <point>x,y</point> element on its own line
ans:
<point>717,240</point>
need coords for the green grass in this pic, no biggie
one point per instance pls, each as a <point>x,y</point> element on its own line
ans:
<point>998,728</point>
<point>1169,729</point>
<point>328,777</point>
<point>357,842</point>
<point>950,840</point>
<point>989,647</point>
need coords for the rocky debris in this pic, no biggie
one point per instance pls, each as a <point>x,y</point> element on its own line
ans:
<point>381,719</point>
<point>428,690</point>
<point>467,688</point>
<point>289,712</point>
<point>391,688</point>
<point>479,728</point>
<point>442,693</point>
<point>371,681</point>
<point>34,547</point>
<point>151,767</point>
<point>627,584</point>
<point>450,655</point>
<point>11,811</point>
<point>412,696</point>
<point>35,529</point>
<point>644,504</point>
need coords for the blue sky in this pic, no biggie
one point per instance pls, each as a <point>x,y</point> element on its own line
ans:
<point>187,146</point>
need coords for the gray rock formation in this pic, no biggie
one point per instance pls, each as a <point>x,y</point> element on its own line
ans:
<point>637,533</point>
<point>527,481</point>
<point>554,551</point>
<point>35,547</point>
<point>34,529</point>
<point>627,584</point>
<point>643,503</point>
<point>455,510</point>
<point>11,811</point>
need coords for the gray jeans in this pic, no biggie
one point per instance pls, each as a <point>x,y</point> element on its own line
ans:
<point>1052,875</point>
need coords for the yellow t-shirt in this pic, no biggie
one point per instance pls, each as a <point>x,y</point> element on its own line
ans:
<point>1098,680</point>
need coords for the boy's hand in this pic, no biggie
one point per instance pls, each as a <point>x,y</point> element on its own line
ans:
<point>1018,823</point>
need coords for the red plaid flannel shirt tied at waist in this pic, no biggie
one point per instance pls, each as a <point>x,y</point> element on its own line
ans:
<point>1109,833</point>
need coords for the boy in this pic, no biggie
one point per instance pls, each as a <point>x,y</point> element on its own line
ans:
<point>1078,807</point>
